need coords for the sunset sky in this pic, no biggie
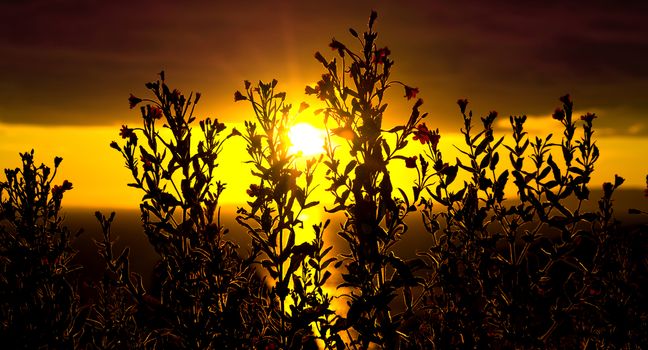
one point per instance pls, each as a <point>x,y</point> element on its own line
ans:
<point>67,68</point>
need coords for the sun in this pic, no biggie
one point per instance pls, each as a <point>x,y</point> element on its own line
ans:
<point>306,140</point>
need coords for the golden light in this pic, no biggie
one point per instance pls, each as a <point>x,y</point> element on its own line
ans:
<point>306,140</point>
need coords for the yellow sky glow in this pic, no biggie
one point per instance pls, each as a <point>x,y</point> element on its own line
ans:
<point>100,179</point>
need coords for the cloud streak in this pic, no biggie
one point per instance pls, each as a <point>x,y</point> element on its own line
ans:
<point>72,62</point>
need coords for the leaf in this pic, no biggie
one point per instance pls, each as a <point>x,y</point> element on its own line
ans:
<point>451,172</point>
<point>303,249</point>
<point>554,168</point>
<point>325,277</point>
<point>495,160</point>
<point>485,161</point>
<point>350,167</point>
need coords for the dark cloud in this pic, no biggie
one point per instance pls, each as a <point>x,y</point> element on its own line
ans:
<point>73,61</point>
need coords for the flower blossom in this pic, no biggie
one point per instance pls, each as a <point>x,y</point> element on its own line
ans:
<point>125,132</point>
<point>410,162</point>
<point>410,92</point>
<point>133,101</point>
<point>588,118</point>
<point>462,102</point>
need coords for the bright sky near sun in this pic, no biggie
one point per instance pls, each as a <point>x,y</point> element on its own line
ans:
<point>100,178</point>
<point>68,67</point>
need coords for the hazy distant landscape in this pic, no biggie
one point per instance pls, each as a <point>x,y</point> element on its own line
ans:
<point>128,228</point>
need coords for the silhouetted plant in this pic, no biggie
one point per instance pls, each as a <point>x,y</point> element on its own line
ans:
<point>297,271</point>
<point>39,305</point>
<point>511,264</point>
<point>122,310</point>
<point>524,275</point>
<point>209,292</point>
<point>353,91</point>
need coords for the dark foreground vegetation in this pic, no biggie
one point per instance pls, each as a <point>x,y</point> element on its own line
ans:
<point>491,278</point>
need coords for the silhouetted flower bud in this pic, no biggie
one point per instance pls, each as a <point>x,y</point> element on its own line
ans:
<point>125,132</point>
<point>410,162</point>
<point>410,92</point>
<point>566,100</point>
<point>588,118</point>
<point>133,101</point>
<point>238,96</point>
<point>462,102</point>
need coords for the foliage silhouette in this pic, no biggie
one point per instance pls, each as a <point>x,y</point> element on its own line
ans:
<point>208,293</point>
<point>36,284</point>
<point>274,213</point>
<point>511,264</point>
<point>362,188</point>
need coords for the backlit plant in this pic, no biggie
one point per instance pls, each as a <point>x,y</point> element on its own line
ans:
<point>516,259</point>
<point>39,304</point>
<point>297,271</point>
<point>353,88</point>
<point>208,290</point>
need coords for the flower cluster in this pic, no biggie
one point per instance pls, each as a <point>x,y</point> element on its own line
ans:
<point>58,190</point>
<point>425,135</point>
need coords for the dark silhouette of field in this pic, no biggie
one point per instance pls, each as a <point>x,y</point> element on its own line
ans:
<point>127,228</point>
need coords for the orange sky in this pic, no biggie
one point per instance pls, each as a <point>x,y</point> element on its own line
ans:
<point>68,67</point>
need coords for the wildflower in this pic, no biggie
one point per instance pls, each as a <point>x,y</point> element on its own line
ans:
<point>146,164</point>
<point>410,92</point>
<point>303,106</point>
<point>125,132</point>
<point>422,133</point>
<point>462,102</point>
<point>380,55</point>
<point>311,90</point>
<point>588,118</point>
<point>238,96</point>
<point>198,95</point>
<point>133,101</point>
<point>284,111</point>
<point>219,126</point>
<point>566,100</point>
<point>254,190</point>
<point>57,161</point>
<point>57,191</point>
<point>489,119</point>
<point>434,139</point>
<point>67,185</point>
<point>336,45</point>
<point>175,95</point>
<point>558,114</point>
<point>372,18</point>
<point>410,162</point>
<point>115,146</point>
<point>235,132</point>
<point>155,113</point>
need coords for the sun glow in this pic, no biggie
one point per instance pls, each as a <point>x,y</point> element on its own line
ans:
<point>306,140</point>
